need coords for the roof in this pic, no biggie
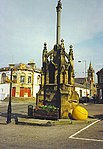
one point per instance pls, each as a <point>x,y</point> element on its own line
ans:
<point>82,86</point>
<point>100,71</point>
<point>21,66</point>
<point>4,69</point>
<point>80,80</point>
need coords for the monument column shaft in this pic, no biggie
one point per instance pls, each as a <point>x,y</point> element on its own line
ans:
<point>59,7</point>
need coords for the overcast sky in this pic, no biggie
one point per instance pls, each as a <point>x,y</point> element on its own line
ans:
<point>26,24</point>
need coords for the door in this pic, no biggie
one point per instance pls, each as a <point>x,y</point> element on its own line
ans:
<point>29,92</point>
<point>22,91</point>
<point>13,91</point>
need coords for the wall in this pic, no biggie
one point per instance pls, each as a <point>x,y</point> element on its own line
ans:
<point>37,81</point>
<point>77,89</point>
<point>4,91</point>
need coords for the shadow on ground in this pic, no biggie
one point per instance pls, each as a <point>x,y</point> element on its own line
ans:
<point>35,124</point>
<point>16,116</point>
<point>100,116</point>
<point>13,115</point>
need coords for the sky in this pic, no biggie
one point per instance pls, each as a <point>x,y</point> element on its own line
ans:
<point>26,24</point>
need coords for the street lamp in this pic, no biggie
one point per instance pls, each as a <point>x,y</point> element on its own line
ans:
<point>85,73</point>
<point>9,105</point>
<point>85,66</point>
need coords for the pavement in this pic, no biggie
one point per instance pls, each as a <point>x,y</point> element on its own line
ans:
<point>39,122</point>
<point>32,121</point>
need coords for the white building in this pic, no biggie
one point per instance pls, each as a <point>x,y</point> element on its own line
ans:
<point>86,86</point>
<point>82,90</point>
<point>25,80</point>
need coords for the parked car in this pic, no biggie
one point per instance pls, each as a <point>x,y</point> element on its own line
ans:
<point>84,99</point>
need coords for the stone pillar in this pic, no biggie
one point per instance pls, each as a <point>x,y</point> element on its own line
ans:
<point>59,7</point>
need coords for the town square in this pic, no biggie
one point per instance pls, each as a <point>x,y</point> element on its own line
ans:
<point>54,99</point>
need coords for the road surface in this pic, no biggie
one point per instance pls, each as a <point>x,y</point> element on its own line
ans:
<point>72,136</point>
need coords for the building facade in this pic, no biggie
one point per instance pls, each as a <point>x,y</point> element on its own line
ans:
<point>100,85</point>
<point>25,80</point>
<point>82,90</point>
<point>86,86</point>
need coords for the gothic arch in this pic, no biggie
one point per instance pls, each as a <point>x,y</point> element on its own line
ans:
<point>51,73</point>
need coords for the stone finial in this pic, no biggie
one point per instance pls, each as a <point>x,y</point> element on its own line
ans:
<point>45,49</point>
<point>51,57</point>
<point>90,67</point>
<point>59,4</point>
<point>44,55</point>
<point>45,46</point>
<point>62,43</point>
<point>71,52</point>
<point>71,46</point>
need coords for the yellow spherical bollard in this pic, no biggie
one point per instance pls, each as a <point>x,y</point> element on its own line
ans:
<point>79,113</point>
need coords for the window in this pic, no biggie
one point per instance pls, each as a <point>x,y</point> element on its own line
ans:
<point>14,79</point>
<point>29,79</point>
<point>38,79</point>
<point>22,79</point>
<point>101,78</point>
<point>3,78</point>
<point>80,93</point>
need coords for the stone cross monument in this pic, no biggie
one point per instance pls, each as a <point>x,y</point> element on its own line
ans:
<point>57,75</point>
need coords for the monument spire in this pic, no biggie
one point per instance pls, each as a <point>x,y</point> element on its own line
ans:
<point>58,8</point>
